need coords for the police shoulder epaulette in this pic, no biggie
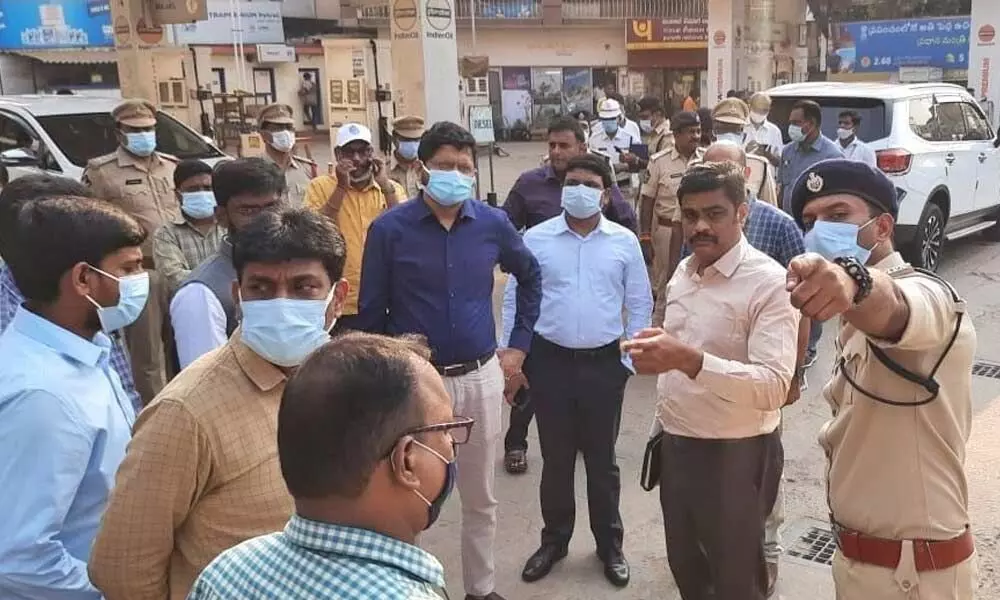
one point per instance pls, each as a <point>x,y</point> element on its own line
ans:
<point>100,161</point>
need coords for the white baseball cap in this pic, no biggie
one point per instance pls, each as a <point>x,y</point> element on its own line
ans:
<point>350,132</point>
<point>609,109</point>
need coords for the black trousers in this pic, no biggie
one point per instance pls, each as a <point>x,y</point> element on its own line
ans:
<point>578,401</point>
<point>716,495</point>
<point>517,431</point>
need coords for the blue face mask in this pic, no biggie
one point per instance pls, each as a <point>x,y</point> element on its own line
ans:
<point>449,188</point>
<point>198,205</point>
<point>450,476</point>
<point>408,149</point>
<point>833,240</point>
<point>581,201</point>
<point>283,331</point>
<point>610,127</point>
<point>646,125</point>
<point>796,134</point>
<point>141,143</point>
<point>133,290</point>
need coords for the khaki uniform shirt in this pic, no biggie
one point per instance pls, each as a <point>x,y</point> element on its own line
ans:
<point>739,314</point>
<point>897,472</point>
<point>298,174</point>
<point>179,247</point>
<point>201,475</point>
<point>146,193</point>
<point>665,172</point>
<point>660,139</point>
<point>761,181</point>
<point>406,176</point>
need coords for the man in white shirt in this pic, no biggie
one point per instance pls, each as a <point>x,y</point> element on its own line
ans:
<point>203,311</point>
<point>726,356</point>
<point>847,133</point>
<point>613,137</point>
<point>763,137</point>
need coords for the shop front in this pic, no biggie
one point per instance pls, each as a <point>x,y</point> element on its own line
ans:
<point>667,59</point>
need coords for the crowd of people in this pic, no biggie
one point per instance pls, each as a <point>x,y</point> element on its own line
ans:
<point>252,380</point>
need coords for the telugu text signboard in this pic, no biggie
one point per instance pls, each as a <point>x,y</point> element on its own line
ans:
<point>674,33</point>
<point>885,46</point>
<point>36,24</point>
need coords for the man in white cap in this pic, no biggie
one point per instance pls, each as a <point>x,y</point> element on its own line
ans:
<point>356,192</point>
<point>613,138</point>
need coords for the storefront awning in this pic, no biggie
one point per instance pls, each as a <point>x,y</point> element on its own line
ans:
<point>74,57</point>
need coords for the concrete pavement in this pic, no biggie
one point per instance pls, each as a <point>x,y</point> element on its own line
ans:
<point>972,265</point>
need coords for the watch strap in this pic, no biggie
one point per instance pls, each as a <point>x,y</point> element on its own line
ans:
<point>857,272</point>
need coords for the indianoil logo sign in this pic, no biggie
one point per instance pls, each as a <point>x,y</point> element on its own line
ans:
<point>987,33</point>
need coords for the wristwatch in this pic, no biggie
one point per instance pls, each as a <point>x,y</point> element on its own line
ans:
<point>859,273</point>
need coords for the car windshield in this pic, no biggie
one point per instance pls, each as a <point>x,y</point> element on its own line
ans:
<point>875,117</point>
<point>82,137</point>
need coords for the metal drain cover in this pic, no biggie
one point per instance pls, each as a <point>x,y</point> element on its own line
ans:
<point>809,542</point>
<point>986,369</point>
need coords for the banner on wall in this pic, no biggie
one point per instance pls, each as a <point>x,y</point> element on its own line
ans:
<point>885,46</point>
<point>668,34</point>
<point>578,89</point>
<point>35,24</point>
<point>260,23</point>
<point>984,57</point>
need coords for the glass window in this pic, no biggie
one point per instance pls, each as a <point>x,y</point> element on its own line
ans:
<point>876,117</point>
<point>975,123</point>
<point>13,134</point>
<point>950,121</point>
<point>82,137</point>
<point>922,121</point>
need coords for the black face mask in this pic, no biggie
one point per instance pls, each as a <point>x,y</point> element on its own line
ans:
<point>451,473</point>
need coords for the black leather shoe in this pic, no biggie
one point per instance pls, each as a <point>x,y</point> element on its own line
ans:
<point>616,569</point>
<point>490,596</point>
<point>542,561</point>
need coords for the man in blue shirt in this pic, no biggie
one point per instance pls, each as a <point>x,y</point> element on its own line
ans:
<point>428,268</point>
<point>354,532</point>
<point>64,418</point>
<point>592,270</point>
<point>15,195</point>
<point>536,197</point>
<point>808,147</point>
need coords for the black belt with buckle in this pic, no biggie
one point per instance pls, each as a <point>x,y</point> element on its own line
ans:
<point>610,349</point>
<point>464,368</point>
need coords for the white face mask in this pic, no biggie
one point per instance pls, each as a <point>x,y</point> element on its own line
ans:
<point>757,118</point>
<point>283,141</point>
<point>845,134</point>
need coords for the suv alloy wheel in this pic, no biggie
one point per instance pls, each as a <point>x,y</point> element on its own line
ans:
<point>925,250</point>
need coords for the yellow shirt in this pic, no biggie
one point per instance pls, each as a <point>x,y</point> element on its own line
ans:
<point>360,208</point>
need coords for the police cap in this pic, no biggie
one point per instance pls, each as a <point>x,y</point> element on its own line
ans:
<point>683,120</point>
<point>276,113</point>
<point>842,176</point>
<point>135,112</point>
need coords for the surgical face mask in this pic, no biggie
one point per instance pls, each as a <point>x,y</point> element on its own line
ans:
<point>198,205</point>
<point>581,201</point>
<point>451,473</point>
<point>283,331</point>
<point>610,126</point>
<point>758,118</point>
<point>283,140</point>
<point>646,125</point>
<point>831,240</point>
<point>733,138</point>
<point>133,290</point>
<point>796,134</point>
<point>141,143</point>
<point>408,149</point>
<point>845,134</point>
<point>449,188</point>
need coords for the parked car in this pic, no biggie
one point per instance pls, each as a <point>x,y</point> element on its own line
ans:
<point>933,141</point>
<point>58,134</point>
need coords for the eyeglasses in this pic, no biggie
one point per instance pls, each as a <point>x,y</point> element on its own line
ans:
<point>458,430</point>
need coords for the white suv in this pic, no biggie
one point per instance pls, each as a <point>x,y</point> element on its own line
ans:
<point>932,140</point>
<point>59,134</point>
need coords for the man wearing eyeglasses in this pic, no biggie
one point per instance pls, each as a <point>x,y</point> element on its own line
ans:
<point>201,473</point>
<point>592,270</point>
<point>353,535</point>
<point>203,311</point>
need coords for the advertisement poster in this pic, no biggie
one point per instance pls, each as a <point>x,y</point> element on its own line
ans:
<point>516,78</point>
<point>35,24</point>
<point>578,89</point>
<point>885,46</point>
<point>260,23</point>
<point>984,58</point>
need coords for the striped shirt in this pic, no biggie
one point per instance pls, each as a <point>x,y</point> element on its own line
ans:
<point>319,561</point>
<point>11,298</point>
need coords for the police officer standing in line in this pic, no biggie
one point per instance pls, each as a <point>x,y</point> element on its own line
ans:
<point>900,393</point>
<point>730,117</point>
<point>277,129</point>
<point>140,181</point>
<point>406,169</point>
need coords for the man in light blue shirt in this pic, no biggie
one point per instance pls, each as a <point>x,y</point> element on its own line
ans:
<point>592,270</point>
<point>65,419</point>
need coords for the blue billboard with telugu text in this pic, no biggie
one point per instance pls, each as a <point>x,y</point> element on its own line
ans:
<point>36,24</point>
<point>885,46</point>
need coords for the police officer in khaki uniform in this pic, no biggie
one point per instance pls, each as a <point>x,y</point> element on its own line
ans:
<point>140,181</point>
<point>406,168</point>
<point>900,394</point>
<point>730,117</point>
<point>277,129</point>
<point>655,126</point>
<point>660,212</point>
